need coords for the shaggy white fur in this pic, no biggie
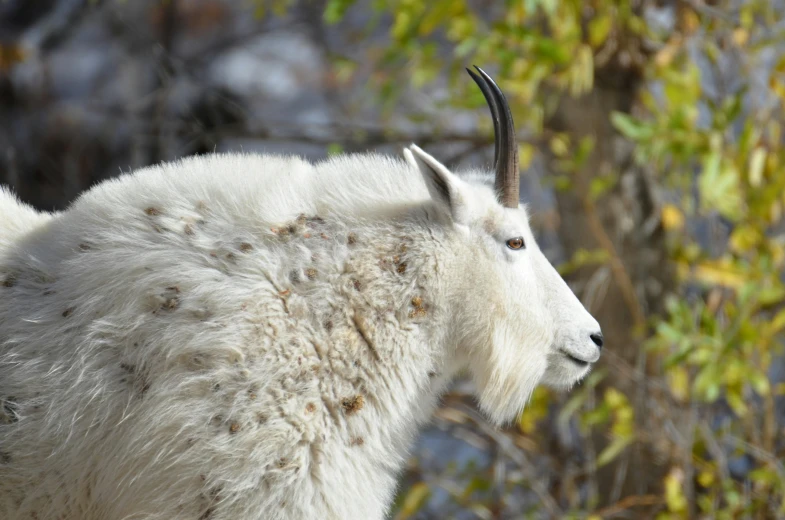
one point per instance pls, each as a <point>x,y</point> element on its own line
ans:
<point>257,337</point>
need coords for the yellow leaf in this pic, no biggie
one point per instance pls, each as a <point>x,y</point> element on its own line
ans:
<point>584,71</point>
<point>434,16</point>
<point>776,211</point>
<point>614,398</point>
<point>599,29</point>
<point>744,238</point>
<point>777,253</point>
<point>10,55</point>
<point>777,86</point>
<point>665,56</point>
<point>672,217</point>
<point>674,496</point>
<point>719,183</point>
<point>715,273</point>
<point>778,323</point>
<point>736,403</point>
<point>535,411</point>
<point>760,383</point>
<point>689,21</point>
<point>401,25</point>
<point>613,450</point>
<point>679,383</point>
<point>757,161</point>
<point>559,145</point>
<point>525,155</point>
<point>740,36</point>
<point>706,478</point>
<point>414,500</point>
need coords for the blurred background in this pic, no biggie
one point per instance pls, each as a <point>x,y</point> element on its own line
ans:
<point>650,138</point>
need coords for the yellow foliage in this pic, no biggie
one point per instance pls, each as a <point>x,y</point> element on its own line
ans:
<point>672,217</point>
<point>740,36</point>
<point>689,21</point>
<point>777,324</point>
<point>664,56</point>
<point>559,145</point>
<point>535,411</point>
<point>757,162</point>
<point>525,155</point>
<point>599,29</point>
<point>414,500</point>
<point>706,478</point>
<point>679,383</point>
<point>10,55</point>
<point>745,238</point>
<point>674,496</point>
<point>719,273</point>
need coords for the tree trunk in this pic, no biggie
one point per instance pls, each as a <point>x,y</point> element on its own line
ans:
<point>625,222</point>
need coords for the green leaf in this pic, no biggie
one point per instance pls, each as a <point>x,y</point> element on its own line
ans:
<point>777,324</point>
<point>335,10</point>
<point>599,29</point>
<point>719,185</point>
<point>631,127</point>
<point>571,407</point>
<point>760,383</point>
<point>613,450</point>
<point>465,47</point>
<point>334,149</point>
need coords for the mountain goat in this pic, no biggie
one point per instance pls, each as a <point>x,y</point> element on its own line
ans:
<point>258,337</point>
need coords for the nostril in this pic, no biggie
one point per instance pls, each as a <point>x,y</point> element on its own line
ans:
<point>597,339</point>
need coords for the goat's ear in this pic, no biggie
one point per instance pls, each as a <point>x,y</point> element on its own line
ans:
<point>444,186</point>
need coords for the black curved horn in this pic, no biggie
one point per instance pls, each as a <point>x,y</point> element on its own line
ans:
<point>494,112</point>
<point>505,158</point>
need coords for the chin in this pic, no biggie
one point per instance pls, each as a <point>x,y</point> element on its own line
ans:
<point>563,374</point>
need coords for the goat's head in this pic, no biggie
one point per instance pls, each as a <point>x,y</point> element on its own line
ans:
<point>520,324</point>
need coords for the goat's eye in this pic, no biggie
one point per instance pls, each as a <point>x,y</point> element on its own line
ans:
<point>516,243</point>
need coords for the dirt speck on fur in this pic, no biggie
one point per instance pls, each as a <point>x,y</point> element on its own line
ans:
<point>353,404</point>
<point>419,312</point>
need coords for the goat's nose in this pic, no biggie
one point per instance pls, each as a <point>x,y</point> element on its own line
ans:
<point>597,339</point>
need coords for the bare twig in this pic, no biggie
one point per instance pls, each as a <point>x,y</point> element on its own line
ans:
<point>620,273</point>
<point>163,79</point>
<point>715,450</point>
<point>628,503</point>
<point>701,7</point>
<point>518,456</point>
<point>760,454</point>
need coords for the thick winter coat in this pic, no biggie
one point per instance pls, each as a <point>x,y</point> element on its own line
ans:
<point>258,337</point>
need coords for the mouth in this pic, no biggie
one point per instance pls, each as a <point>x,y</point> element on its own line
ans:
<point>581,363</point>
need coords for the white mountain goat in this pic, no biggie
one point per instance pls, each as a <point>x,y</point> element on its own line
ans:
<point>257,337</point>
